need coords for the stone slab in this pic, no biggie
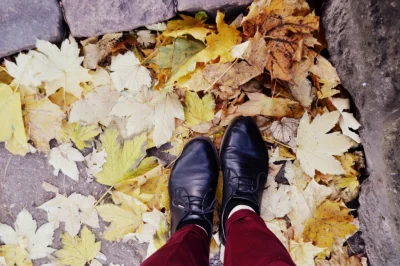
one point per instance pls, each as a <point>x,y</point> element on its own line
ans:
<point>363,44</point>
<point>232,7</point>
<point>22,22</point>
<point>21,187</point>
<point>88,18</point>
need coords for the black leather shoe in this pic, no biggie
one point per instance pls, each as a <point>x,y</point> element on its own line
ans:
<point>193,184</point>
<point>244,162</point>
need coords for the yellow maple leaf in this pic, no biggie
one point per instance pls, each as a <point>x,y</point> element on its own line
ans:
<point>78,251</point>
<point>150,188</point>
<point>187,25</point>
<point>125,216</point>
<point>15,255</point>
<point>218,45</point>
<point>43,120</point>
<point>198,111</point>
<point>120,161</point>
<point>13,131</point>
<point>331,219</point>
<point>261,104</point>
<point>80,135</point>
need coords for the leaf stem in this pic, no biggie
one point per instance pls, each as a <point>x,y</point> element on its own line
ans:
<point>96,203</point>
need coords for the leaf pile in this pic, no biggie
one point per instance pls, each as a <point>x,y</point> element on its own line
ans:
<point>134,99</point>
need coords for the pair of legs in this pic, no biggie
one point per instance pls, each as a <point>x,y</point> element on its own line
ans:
<point>192,186</point>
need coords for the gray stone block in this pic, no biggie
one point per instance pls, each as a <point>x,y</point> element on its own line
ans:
<point>363,44</point>
<point>88,18</point>
<point>22,22</point>
<point>232,7</point>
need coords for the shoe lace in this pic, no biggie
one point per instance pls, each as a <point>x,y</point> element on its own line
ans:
<point>245,184</point>
<point>191,202</point>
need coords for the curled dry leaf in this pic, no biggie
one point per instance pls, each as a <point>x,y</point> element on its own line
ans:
<point>43,121</point>
<point>261,104</point>
<point>96,50</point>
<point>346,120</point>
<point>285,130</point>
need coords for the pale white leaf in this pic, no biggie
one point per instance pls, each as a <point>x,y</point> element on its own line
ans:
<point>145,37</point>
<point>36,243</point>
<point>2,261</point>
<point>50,188</point>
<point>100,77</point>
<point>140,109</point>
<point>239,49</point>
<point>303,253</point>
<point>63,158</point>
<point>94,162</point>
<point>167,110</point>
<point>73,211</point>
<point>275,201</point>
<point>60,68</point>
<point>347,120</point>
<point>157,26</point>
<point>315,148</point>
<point>95,107</point>
<point>127,72</point>
<point>23,72</point>
<point>237,22</point>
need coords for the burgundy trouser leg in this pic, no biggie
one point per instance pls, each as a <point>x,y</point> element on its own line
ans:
<point>250,242</point>
<point>189,246</point>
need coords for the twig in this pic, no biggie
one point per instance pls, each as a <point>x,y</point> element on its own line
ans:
<point>96,203</point>
<point>5,169</point>
<point>350,247</point>
<point>280,143</point>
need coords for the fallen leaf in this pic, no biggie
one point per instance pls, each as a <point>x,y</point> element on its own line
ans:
<point>304,203</point>
<point>230,75</point>
<point>340,257</point>
<point>327,76</point>
<point>166,111</point>
<point>187,25</point>
<point>275,201</point>
<point>127,72</point>
<point>145,37</point>
<point>60,68</point>
<point>155,231</point>
<point>95,107</point>
<point>330,220</point>
<point>303,253</point>
<point>157,26</point>
<point>120,160</point>
<point>24,74</point>
<point>174,55</point>
<point>346,120</point>
<point>198,111</point>
<point>96,50</point>
<point>261,104</point>
<point>72,211</point>
<point>13,131</point>
<point>218,45</point>
<point>63,158</point>
<point>315,148</point>
<point>43,121</point>
<point>94,163</point>
<point>125,216</point>
<point>80,135</point>
<point>25,243</point>
<point>100,77</point>
<point>78,251</point>
<point>285,130</point>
